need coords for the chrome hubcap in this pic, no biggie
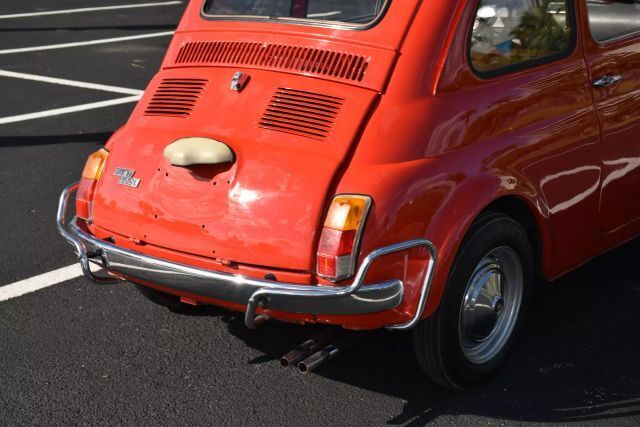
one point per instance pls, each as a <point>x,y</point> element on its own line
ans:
<point>491,304</point>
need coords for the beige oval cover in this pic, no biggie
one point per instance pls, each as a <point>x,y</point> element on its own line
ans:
<point>198,151</point>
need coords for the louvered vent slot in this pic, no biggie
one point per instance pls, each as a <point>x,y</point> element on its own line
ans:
<point>277,56</point>
<point>175,97</point>
<point>302,113</point>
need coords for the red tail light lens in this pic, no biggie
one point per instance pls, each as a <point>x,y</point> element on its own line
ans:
<point>90,176</point>
<point>343,226</point>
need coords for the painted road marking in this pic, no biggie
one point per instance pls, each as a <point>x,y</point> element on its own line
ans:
<point>85,43</point>
<point>67,110</point>
<point>74,83</point>
<point>42,281</point>
<point>89,9</point>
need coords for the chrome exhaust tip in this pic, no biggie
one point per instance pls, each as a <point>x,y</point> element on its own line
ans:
<point>295,356</point>
<point>303,368</point>
<point>320,357</point>
<point>306,349</point>
<point>317,359</point>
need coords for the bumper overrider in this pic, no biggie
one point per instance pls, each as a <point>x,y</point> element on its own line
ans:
<point>352,299</point>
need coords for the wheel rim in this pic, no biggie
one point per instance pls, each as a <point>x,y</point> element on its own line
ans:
<point>491,304</point>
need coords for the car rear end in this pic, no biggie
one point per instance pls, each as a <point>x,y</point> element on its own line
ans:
<point>285,92</point>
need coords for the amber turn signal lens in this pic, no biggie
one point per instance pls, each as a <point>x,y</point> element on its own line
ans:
<point>346,212</point>
<point>95,164</point>
<point>86,190</point>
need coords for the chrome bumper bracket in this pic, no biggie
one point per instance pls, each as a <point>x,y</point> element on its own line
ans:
<point>81,249</point>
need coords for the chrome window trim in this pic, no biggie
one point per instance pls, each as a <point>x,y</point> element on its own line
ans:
<point>630,37</point>
<point>530,64</point>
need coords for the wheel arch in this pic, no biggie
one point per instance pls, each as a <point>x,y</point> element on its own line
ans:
<point>521,203</point>
<point>521,211</point>
<point>439,199</point>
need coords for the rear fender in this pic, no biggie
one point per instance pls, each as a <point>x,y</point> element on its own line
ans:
<point>424,199</point>
<point>449,226</point>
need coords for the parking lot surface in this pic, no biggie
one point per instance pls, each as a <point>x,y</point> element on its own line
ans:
<point>75,353</point>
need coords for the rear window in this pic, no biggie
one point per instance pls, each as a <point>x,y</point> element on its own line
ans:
<point>613,19</point>
<point>513,33</point>
<point>345,12</point>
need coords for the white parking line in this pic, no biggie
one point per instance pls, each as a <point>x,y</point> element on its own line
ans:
<point>89,9</point>
<point>85,43</point>
<point>67,110</point>
<point>66,82</point>
<point>42,281</point>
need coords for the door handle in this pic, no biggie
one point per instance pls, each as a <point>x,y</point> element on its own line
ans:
<point>606,81</point>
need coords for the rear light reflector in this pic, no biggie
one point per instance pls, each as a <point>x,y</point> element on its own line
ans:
<point>336,242</point>
<point>84,197</point>
<point>340,237</point>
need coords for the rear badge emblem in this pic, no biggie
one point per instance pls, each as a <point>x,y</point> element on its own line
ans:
<point>239,81</point>
<point>126,177</point>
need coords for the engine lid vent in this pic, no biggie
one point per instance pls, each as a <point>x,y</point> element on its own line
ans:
<point>328,63</point>
<point>175,97</point>
<point>302,113</point>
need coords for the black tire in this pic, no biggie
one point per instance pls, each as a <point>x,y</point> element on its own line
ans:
<point>164,299</point>
<point>437,339</point>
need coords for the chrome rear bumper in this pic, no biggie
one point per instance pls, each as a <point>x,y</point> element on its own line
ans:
<point>341,300</point>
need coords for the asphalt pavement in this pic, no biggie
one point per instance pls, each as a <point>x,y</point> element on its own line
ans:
<point>76,353</point>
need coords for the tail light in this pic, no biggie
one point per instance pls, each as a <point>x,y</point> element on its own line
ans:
<point>340,237</point>
<point>90,175</point>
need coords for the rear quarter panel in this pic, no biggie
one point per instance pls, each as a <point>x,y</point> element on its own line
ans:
<point>443,146</point>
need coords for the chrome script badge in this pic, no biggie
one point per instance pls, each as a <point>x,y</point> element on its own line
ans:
<point>126,177</point>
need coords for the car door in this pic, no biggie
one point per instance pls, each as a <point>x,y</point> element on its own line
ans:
<point>612,52</point>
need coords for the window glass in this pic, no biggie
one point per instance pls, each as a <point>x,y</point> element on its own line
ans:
<point>343,11</point>
<point>510,32</point>
<point>612,19</point>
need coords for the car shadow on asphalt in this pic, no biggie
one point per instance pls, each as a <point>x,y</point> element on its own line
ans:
<point>577,360</point>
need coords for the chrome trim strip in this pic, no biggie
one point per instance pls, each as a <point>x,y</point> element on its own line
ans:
<point>424,292</point>
<point>344,300</point>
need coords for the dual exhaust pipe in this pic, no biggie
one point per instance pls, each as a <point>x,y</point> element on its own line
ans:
<point>318,350</point>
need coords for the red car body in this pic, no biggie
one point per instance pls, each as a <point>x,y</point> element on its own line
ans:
<point>433,143</point>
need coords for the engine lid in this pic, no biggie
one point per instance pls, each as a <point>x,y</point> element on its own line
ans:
<point>289,136</point>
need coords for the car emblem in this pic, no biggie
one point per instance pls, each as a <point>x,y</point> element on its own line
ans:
<point>239,81</point>
<point>126,177</point>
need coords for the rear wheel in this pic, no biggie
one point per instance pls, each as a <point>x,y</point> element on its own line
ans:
<point>483,307</point>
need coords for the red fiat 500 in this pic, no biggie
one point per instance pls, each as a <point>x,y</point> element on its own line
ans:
<point>396,164</point>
